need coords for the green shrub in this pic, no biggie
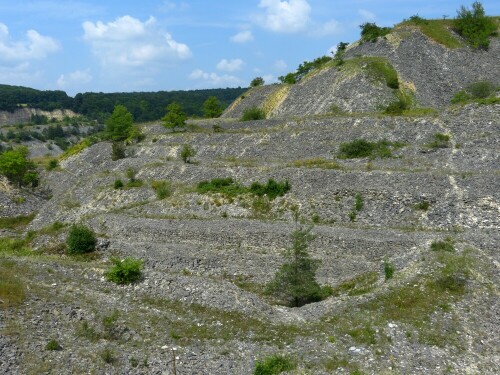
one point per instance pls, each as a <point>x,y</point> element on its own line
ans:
<point>187,153</point>
<point>274,365</point>
<point>272,189</point>
<point>163,189</point>
<point>440,141</point>
<point>118,184</point>
<point>424,205</point>
<point>131,173</point>
<point>53,345</point>
<point>81,240</point>
<point>475,26</point>
<point>53,164</point>
<point>124,271</point>
<point>230,188</point>
<point>396,107</point>
<point>388,269</point>
<point>117,151</point>
<point>108,356</point>
<point>253,113</point>
<point>443,245</point>
<point>370,32</point>
<point>358,205</point>
<point>481,89</point>
<point>361,148</point>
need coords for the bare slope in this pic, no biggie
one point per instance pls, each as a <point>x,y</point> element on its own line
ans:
<point>428,71</point>
<point>207,257</point>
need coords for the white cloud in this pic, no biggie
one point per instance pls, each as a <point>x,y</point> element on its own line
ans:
<point>328,28</point>
<point>77,77</point>
<point>213,79</point>
<point>280,65</point>
<point>284,16</point>
<point>230,65</point>
<point>366,15</point>
<point>128,42</point>
<point>34,47</point>
<point>242,37</point>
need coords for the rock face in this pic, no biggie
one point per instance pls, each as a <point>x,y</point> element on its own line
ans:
<point>23,115</point>
<point>431,72</point>
<point>437,72</point>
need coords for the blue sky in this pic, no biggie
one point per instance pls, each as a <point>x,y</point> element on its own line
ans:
<point>152,45</point>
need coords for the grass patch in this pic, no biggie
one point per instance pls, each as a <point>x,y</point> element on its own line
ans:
<point>443,245</point>
<point>162,188</point>
<point>12,289</point>
<point>77,148</point>
<point>316,163</point>
<point>361,148</point>
<point>439,141</point>
<point>378,68</point>
<point>214,324</point>
<point>17,222</point>
<point>253,113</point>
<point>14,246</point>
<point>437,30</point>
<point>481,92</point>
<point>356,286</point>
<point>274,365</point>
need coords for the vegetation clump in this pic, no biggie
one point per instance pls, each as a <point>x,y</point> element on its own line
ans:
<point>227,186</point>
<point>81,240</point>
<point>53,345</point>
<point>370,32</point>
<point>306,67</point>
<point>361,148</point>
<point>124,271</point>
<point>274,365</point>
<point>475,26</point>
<point>439,141</point>
<point>443,245</point>
<point>257,81</point>
<point>187,152</point>
<point>117,151</point>
<point>253,113</point>
<point>481,92</point>
<point>163,189</point>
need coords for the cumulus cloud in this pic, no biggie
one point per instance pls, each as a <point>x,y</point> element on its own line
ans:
<point>328,28</point>
<point>366,15</point>
<point>230,65</point>
<point>34,47</point>
<point>284,16</point>
<point>280,65</point>
<point>242,37</point>
<point>77,77</point>
<point>128,42</point>
<point>213,79</point>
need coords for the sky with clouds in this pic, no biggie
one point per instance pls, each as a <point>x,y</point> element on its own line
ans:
<point>152,45</point>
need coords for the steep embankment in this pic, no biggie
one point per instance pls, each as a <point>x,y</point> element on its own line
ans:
<point>430,72</point>
<point>24,115</point>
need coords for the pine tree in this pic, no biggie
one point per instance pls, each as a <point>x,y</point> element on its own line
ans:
<point>295,281</point>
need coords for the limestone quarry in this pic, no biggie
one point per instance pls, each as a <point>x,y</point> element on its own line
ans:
<point>199,307</point>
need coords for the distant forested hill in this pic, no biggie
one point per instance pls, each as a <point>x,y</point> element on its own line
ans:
<point>145,106</point>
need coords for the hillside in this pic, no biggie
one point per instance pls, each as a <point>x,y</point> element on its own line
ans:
<point>429,73</point>
<point>405,227</point>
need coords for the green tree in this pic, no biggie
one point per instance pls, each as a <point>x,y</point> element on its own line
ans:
<point>187,153</point>
<point>119,124</point>
<point>175,117</point>
<point>81,240</point>
<point>17,167</point>
<point>474,26</point>
<point>295,281</point>
<point>257,81</point>
<point>212,107</point>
